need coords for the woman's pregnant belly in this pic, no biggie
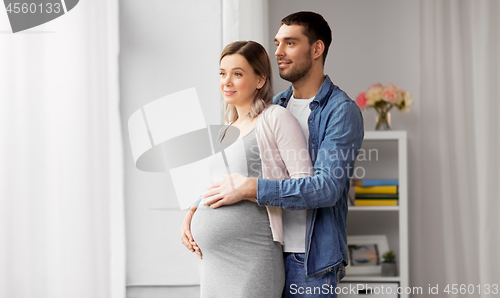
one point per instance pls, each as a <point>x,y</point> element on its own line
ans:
<point>238,229</point>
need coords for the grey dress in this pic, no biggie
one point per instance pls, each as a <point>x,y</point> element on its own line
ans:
<point>240,258</point>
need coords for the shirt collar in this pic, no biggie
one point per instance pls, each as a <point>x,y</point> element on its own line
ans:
<point>321,96</point>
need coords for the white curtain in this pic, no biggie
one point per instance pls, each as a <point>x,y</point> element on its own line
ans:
<point>457,215</point>
<point>61,206</point>
<point>245,20</point>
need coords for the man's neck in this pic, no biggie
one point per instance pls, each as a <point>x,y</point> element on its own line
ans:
<point>309,85</point>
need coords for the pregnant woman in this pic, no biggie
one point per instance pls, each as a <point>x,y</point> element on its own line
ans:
<point>241,243</point>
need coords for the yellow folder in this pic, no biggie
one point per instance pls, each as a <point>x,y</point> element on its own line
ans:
<point>376,189</point>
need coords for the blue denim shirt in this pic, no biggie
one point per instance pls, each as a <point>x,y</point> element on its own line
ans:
<point>335,136</point>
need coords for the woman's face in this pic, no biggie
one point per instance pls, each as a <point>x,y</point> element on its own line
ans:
<point>238,81</point>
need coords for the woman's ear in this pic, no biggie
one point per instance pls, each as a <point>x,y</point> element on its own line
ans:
<point>261,82</point>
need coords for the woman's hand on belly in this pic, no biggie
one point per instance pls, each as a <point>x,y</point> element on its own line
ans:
<point>186,236</point>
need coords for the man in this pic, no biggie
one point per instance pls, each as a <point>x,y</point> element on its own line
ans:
<point>315,208</point>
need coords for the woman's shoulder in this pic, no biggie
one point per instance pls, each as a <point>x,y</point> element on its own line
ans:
<point>276,117</point>
<point>276,111</point>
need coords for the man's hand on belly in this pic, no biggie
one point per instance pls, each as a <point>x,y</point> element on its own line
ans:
<point>232,189</point>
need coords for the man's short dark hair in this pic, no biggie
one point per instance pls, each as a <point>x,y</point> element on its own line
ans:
<point>315,27</point>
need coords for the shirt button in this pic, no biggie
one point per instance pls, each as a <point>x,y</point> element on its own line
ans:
<point>310,121</point>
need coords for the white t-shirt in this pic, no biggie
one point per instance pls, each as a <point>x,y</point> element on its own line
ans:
<point>294,221</point>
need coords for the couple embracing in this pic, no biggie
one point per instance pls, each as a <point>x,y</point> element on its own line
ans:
<point>279,231</point>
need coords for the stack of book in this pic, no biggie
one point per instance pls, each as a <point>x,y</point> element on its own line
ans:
<point>376,192</point>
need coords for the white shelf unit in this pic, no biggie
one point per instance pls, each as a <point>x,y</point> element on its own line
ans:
<point>373,208</point>
<point>389,220</point>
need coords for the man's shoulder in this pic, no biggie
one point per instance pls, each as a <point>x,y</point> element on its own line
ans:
<point>330,94</point>
<point>339,103</point>
<point>337,97</point>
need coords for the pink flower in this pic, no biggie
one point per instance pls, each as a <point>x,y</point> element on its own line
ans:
<point>361,101</point>
<point>385,97</point>
<point>374,94</point>
<point>392,94</point>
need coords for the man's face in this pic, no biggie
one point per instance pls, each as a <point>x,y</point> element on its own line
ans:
<point>293,53</point>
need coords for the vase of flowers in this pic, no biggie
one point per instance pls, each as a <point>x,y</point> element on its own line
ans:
<point>382,99</point>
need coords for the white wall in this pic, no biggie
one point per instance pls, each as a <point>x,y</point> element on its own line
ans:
<point>373,41</point>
